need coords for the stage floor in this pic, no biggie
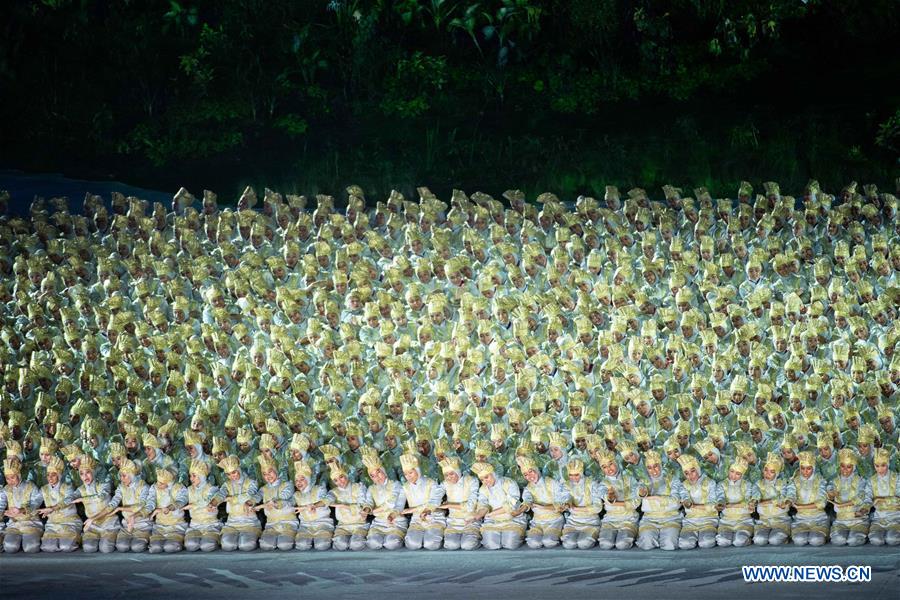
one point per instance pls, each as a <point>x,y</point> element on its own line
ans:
<point>521,574</point>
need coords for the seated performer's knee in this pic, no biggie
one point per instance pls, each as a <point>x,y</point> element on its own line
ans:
<point>286,543</point>
<point>586,543</point>
<point>322,544</point>
<point>470,543</point>
<point>686,543</point>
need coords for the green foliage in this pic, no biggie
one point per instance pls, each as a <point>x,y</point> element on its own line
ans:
<point>889,134</point>
<point>410,88</point>
<point>566,93</point>
<point>199,129</point>
<point>293,126</point>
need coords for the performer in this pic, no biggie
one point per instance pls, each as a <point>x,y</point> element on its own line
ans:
<point>810,524</point>
<point>203,506</point>
<point>352,506</point>
<point>620,493</point>
<point>62,533</point>
<point>852,499</point>
<point>702,499</point>
<point>170,525</point>
<point>546,498</point>
<point>135,500</point>
<point>101,527</point>
<point>311,503</point>
<point>741,496</point>
<point>775,492</point>
<point>241,495</point>
<point>463,530</point>
<point>389,501</point>
<point>583,508</point>
<point>278,506</point>
<point>885,484</point>
<point>504,520</point>
<point>661,506</point>
<point>23,498</point>
<point>423,496</point>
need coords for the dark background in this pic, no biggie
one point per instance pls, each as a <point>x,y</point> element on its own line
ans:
<point>565,96</point>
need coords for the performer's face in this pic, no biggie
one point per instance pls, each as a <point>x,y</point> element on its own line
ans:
<point>378,476</point>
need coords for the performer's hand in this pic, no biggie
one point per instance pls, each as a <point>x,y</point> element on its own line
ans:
<point>88,524</point>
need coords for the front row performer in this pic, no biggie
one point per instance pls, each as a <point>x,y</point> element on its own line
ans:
<point>62,532</point>
<point>810,524</point>
<point>203,506</point>
<point>661,505</point>
<point>499,506</point>
<point>773,527</point>
<point>584,507</point>
<point>852,499</point>
<point>312,504</point>
<point>23,498</point>
<point>702,499</point>
<point>461,512</point>
<point>463,530</point>
<point>885,485</point>
<point>619,491</point>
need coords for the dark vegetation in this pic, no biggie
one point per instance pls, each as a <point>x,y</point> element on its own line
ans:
<point>553,95</point>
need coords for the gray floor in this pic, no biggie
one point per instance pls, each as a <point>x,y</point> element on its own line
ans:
<point>521,574</point>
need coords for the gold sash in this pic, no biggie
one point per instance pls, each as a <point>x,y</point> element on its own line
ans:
<point>659,504</point>
<point>541,513</point>
<point>846,514</point>
<point>704,510</point>
<point>809,512</point>
<point>887,503</point>
<point>618,510</point>
<point>736,512</point>
<point>350,515</point>
<point>770,509</point>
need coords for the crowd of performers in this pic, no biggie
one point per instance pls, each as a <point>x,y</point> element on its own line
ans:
<point>674,373</point>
